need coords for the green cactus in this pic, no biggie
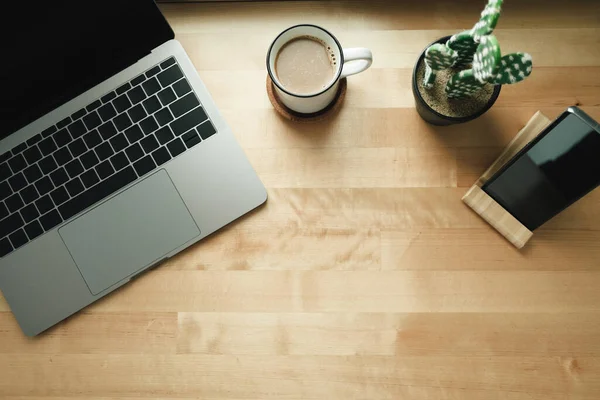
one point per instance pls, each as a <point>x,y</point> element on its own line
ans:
<point>486,61</point>
<point>514,68</point>
<point>463,84</point>
<point>488,21</point>
<point>437,57</point>
<point>465,45</point>
<point>475,58</point>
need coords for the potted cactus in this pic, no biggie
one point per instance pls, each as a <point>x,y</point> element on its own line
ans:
<point>458,78</point>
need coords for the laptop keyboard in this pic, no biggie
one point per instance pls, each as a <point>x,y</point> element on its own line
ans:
<point>98,150</point>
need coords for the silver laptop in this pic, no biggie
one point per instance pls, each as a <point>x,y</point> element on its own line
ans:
<point>113,156</point>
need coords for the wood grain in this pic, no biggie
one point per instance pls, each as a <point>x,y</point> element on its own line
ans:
<point>364,277</point>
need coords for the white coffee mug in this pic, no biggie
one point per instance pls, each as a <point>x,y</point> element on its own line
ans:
<point>347,62</point>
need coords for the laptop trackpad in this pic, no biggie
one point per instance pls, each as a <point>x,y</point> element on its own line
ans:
<point>129,232</point>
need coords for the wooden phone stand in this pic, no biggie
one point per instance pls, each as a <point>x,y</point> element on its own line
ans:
<point>485,206</point>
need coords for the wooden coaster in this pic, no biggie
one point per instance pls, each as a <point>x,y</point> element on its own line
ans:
<point>294,116</point>
<point>487,208</point>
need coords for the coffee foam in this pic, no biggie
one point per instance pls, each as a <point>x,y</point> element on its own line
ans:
<point>330,54</point>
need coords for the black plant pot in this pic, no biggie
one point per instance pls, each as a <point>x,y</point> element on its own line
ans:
<point>434,117</point>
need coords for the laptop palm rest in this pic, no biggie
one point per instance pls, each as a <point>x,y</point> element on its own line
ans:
<point>129,232</point>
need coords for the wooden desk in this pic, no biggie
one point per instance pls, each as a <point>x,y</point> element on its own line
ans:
<point>365,276</point>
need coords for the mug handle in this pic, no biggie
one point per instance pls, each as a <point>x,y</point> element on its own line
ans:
<point>362,59</point>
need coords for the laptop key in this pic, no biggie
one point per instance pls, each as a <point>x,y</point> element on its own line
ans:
<point>90,178</point>
<point>136,95</point>
<point>47,146</point>
<point>14,203</point>
<point>64,123</point>
<point>33,140</point>
<point>153,71</point>
<point>44,185</point>
<point>138,79</point>
<point>166,96</point>
<point>188,121</point>
<point>5,156</point>
<point>32,155</point>
<point>93,106</point>
<point>49,131</point>
<point>107,112</point>
<point>17,182</point>
<point>122,122</point>
<point>122,103</point>
<point>77,129</point>
<point>119,161</point>
<point>74,168</point>
<point>108,97</point>
<point>104,151</point>
<point>74,187</point>
<point>44,204</point>
<point>4,171</point>
<point>164,135</point>
<point>29,213</point>
<point>206,130</point>
<point>29,194</point>
<point>182,87</point>
<point>167,63</point>
<point>151,86</point>
<point>149,144</point>
<point>151,105</point>
<point>170,75</point>
<point>191,138</point>
<point>107,130</point>
<point>134,134</point>
<point>59,195</point>
<point>18,238</point>
<point>89,159</point>
<point>144,165</point>
<point>5,190</point>
<point>33,230</point>
<point>78,114</point>
<point>17,163</point>
<point>184,105</point>
<point>134,152</point>
<point>92,139</point>
<point>148,125</point>
<point>164,116</point>
<point>104,170</point>
<point>77,147</point>
<point>5,247</point>
<point>123,88</point>
<point>19,148</point>
<point>119,142</point>
<point>97,193</point>
<point>33,173</point>
<point>137,113</point>
<point>63,156</point>
<point>59,177</point>
<point>62,137</point>
<point>50,220</point>
<point>161,156</point>
<point>3,211</point>
<point>176,147</point>
<point>10,224</point>
<point>47,164</point>
<point>92,120</point>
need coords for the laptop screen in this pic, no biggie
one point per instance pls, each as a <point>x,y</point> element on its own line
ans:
<point>56,50</point>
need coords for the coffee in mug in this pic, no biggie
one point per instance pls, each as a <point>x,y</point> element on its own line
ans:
<point>304,65</point>
<point>306,62</point>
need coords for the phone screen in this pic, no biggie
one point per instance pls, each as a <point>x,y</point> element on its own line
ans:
<point>554,172</point>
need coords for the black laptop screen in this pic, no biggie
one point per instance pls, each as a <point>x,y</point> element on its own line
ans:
<point>56,50</point>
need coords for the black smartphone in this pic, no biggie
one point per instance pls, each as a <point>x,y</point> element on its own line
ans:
<point>553,171</point>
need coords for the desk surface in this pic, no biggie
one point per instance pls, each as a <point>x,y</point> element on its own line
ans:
<point>364,277</point>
